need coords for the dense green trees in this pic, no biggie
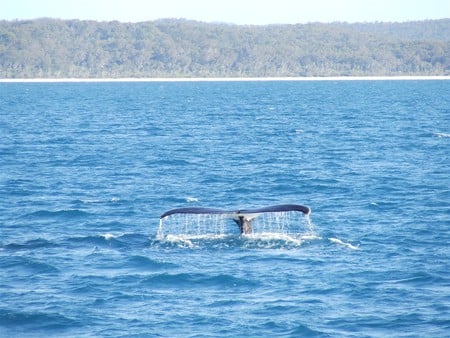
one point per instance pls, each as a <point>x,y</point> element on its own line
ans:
<point>180,48</point>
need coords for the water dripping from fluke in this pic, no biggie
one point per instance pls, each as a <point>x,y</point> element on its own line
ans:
<point>288,222</point>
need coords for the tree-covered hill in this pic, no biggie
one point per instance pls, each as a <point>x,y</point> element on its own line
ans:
<point>50,48</point>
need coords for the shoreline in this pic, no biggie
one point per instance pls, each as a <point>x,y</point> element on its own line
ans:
<point>227,79</point>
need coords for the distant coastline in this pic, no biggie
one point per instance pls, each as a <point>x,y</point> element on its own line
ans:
<point>227,79</point>
<point>176,49</point>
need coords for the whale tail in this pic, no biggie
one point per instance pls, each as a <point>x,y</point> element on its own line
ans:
<point>245,225</point>
<point>244,217</point>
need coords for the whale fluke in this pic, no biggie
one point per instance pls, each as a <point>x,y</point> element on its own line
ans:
<point>204,211</point>
<point>243,217</point>
<point>279,208</point>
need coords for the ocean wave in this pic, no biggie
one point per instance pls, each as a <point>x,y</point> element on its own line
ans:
<point>66,213</point>
<point>442,135</point>
<point>26,265</point>
<point>342,243</point>
<point>110,240</point>
<point>108,236</point>
<point>97,200</point>
<point>303,330</point>
<point>199,280</point>
<point>31,244</point>
<point>420,279</point>
<point>87,201</point>
<point>97,241</point>
<point>146,263</point>
<point>35,320</point>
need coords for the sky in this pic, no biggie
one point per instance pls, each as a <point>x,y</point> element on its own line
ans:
<point>249,12</point>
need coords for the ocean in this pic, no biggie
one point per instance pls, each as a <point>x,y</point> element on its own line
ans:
<point>87,169</point>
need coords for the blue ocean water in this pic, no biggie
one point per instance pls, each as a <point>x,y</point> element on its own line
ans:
<point>86,169</point>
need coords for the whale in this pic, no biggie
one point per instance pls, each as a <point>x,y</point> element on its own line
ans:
<point>242,217</point>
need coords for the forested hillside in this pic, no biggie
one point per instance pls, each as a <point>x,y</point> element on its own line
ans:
<point>50,48</point>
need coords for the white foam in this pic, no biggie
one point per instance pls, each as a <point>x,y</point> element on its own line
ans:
<point>277,237</point>
<point>442,135</point>
<point>269,236</point>
<point>310,237</point>
<point>87,201</point>
<point>108,236</point>
<point>347,245</point>
<point>179,240</point>
<point>191,199</point>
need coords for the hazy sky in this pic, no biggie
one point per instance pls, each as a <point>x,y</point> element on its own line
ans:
<point>231,11</point>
